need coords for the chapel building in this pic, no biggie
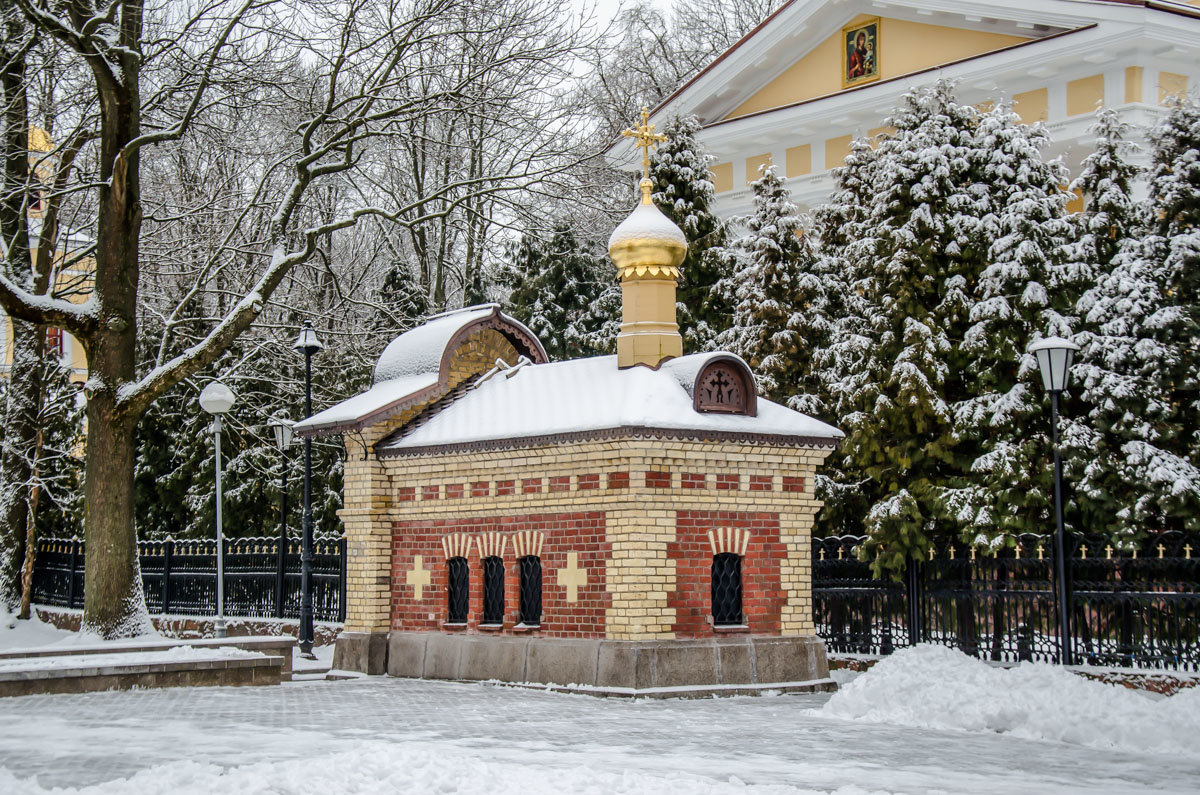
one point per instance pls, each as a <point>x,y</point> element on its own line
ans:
<point>628,524</point>
<point>816,74</point>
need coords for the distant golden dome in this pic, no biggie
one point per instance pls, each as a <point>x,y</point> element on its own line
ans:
<point>647,243</point>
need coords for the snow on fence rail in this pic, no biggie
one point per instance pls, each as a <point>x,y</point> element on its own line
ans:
<point>1137,607</point>
<point>180,577</point>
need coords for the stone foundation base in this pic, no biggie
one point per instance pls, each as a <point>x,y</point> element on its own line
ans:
<point>614,667</point>
<point>365,652</point>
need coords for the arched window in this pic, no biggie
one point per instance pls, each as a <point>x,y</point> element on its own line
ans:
<point>493,590</point>
<point>725,385</point>
<point>458,589</point>
<point>531,590</point>
<point>727,589</point>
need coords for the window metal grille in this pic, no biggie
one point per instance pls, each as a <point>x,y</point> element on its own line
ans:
<point>458,587</point>
<point>531,590</point>
<point>493,590</point>
<point>727,589</point>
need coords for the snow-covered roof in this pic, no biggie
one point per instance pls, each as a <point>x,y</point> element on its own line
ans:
<point>585,396</point>
<point>414,368</point>
<point>420,350</point>
<point>369,403</point>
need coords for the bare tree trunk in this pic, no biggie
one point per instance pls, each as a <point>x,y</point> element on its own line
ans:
<point>113,601</point>
<point>35,493</point>
<point>20,414</point>
<point>20,448</point>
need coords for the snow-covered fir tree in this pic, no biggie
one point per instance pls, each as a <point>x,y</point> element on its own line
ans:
<point>911,258</point>
<point>1022,294</point>
<point>1113,408</point>
<point>563,291</point>
<point>778,319</point>
<point>1174,252</point>
<point>402,302</point>
<point>1112,215</point>
<point>685,194</point>
<point>1148,316</point>
<point>845,490</point>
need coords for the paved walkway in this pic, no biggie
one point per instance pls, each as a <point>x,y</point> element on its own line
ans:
<point>76,740</point>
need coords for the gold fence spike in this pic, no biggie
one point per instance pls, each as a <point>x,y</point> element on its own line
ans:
<point>839,553</point>
<point>951,553</point>
<point>1017,551</point>
<point>1161,550</point>
<point>1187,551</point>
<point>931,553</point>
<point>822,553</point>
<point>1041,552</point>
<point>1083,551</point>
<point>972,553</point>
<point>1108,550</point>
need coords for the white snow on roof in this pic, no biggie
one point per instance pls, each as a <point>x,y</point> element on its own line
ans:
<point>374,399</point>
<point>420,350</point>
<point>646,222</point>
<point>593,394</point>
<point>686,368</point>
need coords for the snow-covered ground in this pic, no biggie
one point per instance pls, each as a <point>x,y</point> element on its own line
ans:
<point>33,633</point>
<point>924,721</point>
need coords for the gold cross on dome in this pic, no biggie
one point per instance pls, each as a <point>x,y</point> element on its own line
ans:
<point>644,138</point>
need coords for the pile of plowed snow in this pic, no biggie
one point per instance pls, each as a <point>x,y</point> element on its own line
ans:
<point>937,687</point>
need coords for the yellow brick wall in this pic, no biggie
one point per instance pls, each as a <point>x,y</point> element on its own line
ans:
<point>640,520</point>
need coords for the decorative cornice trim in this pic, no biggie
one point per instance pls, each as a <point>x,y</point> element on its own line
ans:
<point>620,432</point>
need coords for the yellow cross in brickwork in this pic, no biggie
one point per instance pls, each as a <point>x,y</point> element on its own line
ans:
<point>572,577</point>
<point>644,138</point>
<point>418,578</point>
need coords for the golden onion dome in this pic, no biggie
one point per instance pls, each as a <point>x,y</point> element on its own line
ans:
<point>647,243</point>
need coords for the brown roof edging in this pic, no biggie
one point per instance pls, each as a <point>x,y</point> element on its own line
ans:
<point>619,432</point>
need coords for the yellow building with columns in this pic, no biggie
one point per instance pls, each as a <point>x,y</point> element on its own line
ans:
<point>818,73</point>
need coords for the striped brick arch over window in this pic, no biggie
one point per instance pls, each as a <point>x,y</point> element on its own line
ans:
<point>458,577</point>
<point>528,547</point>
<point>728,547</point>
<point>491,551</point>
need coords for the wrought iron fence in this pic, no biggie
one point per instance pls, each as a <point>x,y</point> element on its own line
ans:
<point>180,577</point>
<point>1136,607</point>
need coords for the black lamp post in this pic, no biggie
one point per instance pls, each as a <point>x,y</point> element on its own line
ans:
<point>282,429</point>
<point>1054,356</point>
<point>307,344</point>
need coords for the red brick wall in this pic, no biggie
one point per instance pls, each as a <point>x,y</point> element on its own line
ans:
<point>762,596</point>
<point>582,533</point>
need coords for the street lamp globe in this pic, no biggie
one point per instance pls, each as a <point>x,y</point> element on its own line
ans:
<point>282,428</point>
<point>1054,356</point>
<point>216,398</point>
<point>307,342</point>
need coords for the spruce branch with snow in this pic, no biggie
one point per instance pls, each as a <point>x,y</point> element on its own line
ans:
<point>779,300</point>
